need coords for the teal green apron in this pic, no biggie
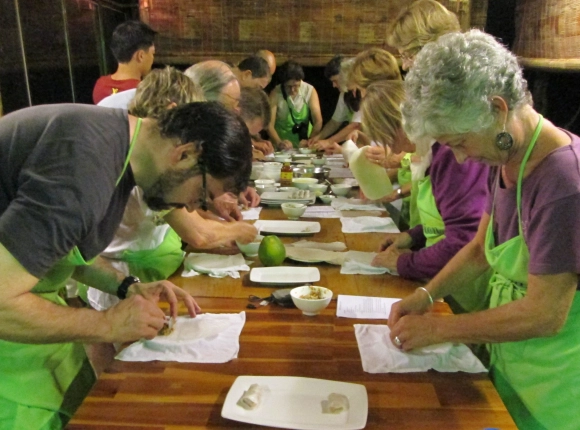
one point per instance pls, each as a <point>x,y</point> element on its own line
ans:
<point>404,177</point>
<point>284,126</point>
<point>41,386</point>
<point>538,379</point>
<point>474,298</point>
<point>157,264</point>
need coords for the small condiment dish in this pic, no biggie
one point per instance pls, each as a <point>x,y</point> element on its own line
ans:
<point>306,150</point>
<point>311,306</point>
<point>318,189</point>
<point>251,249</point>
<point>304,183</point>
<point>340,189</point>
<point>293,210</point>
<point>327,198</point>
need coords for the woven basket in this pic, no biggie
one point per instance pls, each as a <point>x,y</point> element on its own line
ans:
<point>548,34</point>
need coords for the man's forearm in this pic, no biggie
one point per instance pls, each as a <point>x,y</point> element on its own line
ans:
<point>101,275</point>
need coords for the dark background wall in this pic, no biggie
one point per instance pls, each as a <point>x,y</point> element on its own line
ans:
<point>66,49</point>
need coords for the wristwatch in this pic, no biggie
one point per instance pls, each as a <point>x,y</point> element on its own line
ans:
<point>124,286</point>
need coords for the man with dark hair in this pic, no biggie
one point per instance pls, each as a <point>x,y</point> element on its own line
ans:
<point>255,111</point>
<point>332,70</point>
<point>67,173</point>
<point>133,48</point>
<point>253,72</point>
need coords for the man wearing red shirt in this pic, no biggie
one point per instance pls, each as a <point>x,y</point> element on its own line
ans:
<point>132,46</point>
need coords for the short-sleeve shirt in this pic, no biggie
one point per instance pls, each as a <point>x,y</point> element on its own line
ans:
<point>550,211</point>
<point>106,86</point>
<point>342,113</point>
<point>60,164</point>
<point>119,100</point>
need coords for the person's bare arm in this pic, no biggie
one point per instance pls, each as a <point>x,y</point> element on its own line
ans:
<point>272,133</point>
<point>329,128</point>
<point>315,112</point>
<point>203,233</point>
<point>28,318</point>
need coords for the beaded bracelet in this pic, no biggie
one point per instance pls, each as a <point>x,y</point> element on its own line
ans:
<point>428,294</point>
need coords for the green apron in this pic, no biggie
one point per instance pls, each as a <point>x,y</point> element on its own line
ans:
<point>284,126</point>
<point>157,264</point>
<point>474,298</point>
<point>404,177</point>
<point>537,379</point>
<point>41,386</point>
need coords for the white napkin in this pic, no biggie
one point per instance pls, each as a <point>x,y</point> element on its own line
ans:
<point>367,224</point>
<point>216,266</point>
<point>252,213</point>
<point>207,338</point>
<point>359,263</point>
<point>330,246</point>
<point>379,355</point>
<point>352,204</point>
<point>321,212</point>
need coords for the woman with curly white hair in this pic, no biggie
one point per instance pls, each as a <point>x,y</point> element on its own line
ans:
<point>467,91</point>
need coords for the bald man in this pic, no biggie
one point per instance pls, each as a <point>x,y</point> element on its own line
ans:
<point>269,57</point>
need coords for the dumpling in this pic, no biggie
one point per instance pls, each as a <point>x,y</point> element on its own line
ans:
<point>251,398</point>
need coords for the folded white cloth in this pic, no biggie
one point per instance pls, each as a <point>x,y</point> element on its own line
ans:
<point>379,355</point>
<point>367,224</point>
<point>359,263</point>
<point>330,246</point>
<point>207,338</point>
<point>321,212</point>
<point>352,204</point>
<point>215,265</point>
<point>252,213</point>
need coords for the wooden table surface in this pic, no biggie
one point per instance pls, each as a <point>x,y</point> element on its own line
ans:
<point>276,341</point>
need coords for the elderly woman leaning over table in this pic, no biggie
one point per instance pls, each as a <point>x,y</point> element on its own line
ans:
<point>467,91</point>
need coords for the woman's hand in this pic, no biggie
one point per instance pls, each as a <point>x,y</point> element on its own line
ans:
<point>285,145</point>
<point>397,240</point>
<point>249,198</point>
<point>389,258</point>
<point>415,331</point>
<point>375,154</point>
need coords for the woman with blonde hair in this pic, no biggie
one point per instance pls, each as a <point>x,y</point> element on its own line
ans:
<point>373,65</point>
<point>450,199</point>
<point>421,22</point>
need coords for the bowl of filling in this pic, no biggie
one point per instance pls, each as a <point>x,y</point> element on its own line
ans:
<point>306,150</point>
<point>304,183</point>
<point>311,299</point>
<point>251,249</point>
<point>293,210</point>
<point>340,189</point>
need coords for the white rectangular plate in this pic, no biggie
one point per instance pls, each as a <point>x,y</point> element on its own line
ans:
<point>296,403</point>
<point>279,197</point>
<point>287,227</point>
<point>284,275</point>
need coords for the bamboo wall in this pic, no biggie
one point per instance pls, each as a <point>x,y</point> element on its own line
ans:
<point>310,31</point>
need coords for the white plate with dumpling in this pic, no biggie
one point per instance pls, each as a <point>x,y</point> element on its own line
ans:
<point>297,403</point>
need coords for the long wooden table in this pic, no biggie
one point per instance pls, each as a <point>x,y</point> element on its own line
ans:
<point>279,341</point>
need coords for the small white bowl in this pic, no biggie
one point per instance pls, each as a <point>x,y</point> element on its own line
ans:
<point>283,158</point>
<point>293,210</point>
<point>318,189</point>
<point>306,150</point>
<point>304,183</point>
<point>327,198</point>
<point>340,189</point>
<point>319,161</point>
<point>264,182</point>
<point>251,249</point>
<point>310,307</point>
<point>261,189</point>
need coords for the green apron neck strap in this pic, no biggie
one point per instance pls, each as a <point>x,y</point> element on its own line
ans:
<point>131,146</point>
<point>522,168</point>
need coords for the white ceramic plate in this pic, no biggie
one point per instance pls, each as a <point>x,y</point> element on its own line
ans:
<point>296,403</point>
<point>287,227</point>
<point>284,275</point>
<point>277,198</point>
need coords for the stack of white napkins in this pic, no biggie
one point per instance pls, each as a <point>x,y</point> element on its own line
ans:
<point>352,204</point>
<point>379,355</point>
<point>368,224</point>
<point>207,338</point>
<point>359,263</point>
<point>216,266</point>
